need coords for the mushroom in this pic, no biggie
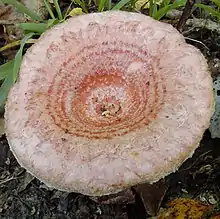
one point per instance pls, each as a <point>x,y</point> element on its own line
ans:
<point>105,101</point>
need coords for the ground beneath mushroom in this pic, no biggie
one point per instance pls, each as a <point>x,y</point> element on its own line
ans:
<point>23,196</point>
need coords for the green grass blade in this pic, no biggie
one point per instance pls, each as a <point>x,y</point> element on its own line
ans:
<point>101,6</point>
<point>21,8</point>
<point>161,12</point>
<point>209,9</point>
<point>15,43</point>
<point>5,88</point>
<point>152,8</point>
<point>155,7</point>
<point>18,57</point>
<point>120,4</point>
<point>9,71</point>
<point>217,2</point>
<point>109,4</point>
<point>58,10</point>
<point>5,69</point>
<point>51,22</point>
<point>47,5</point>
<point>133,2</point>
<point>33,27</point>
<point>164,3</point>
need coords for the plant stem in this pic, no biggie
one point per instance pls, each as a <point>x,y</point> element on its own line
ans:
<point>186,13</point>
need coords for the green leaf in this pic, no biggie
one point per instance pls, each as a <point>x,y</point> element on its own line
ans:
<point>33,27</point>
<point>68,10</point>
<point>18,57</point>
<point>217,2</point>
<point>6,73</point>
<point>52,22</point>
<point>102,4</point>
<point>5,69</point>
<point>47,4</point>
<point>120,4</point>
<point>153,8</point>
<point>109,4</point>
<point>21,8</point>
<point>9,71</point>
<point>133,2</point>
<point>209,9</point>
<point>75,12</point>
<point>82,4</point>
<point>5,88</point>
<point>15,43</point>
<point>58,10</point>
<point>161,12</point>
<point>164,3</point>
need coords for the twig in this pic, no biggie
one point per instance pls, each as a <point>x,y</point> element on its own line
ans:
<point>15,43</point>
<point>7,180</point>
<point>197,41</point>
<point>185,15</point>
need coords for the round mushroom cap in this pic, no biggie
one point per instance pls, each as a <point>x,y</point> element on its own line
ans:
<point>105,101</point>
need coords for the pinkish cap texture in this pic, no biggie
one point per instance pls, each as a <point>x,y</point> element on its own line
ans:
<point>108,100</point>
